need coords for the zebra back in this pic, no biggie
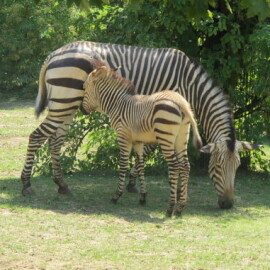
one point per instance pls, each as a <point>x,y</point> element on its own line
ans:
<point>152,70</point>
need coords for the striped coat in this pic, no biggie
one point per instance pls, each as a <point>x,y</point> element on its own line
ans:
<point>163,118</point>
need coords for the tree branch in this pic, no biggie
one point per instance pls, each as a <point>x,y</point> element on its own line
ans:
<point>250,108</point>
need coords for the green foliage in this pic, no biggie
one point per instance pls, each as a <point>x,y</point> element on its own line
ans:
<point>192,9</point>
<point>28,34</point>
<point>253,94</point>
<point>90,145</point>
<point>230,38</point>
<point>231,46</point>
<point>260,8</point>
<point>240,60</point>
<point>98,137</point>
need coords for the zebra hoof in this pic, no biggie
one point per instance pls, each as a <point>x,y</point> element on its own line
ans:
<point>143,199</point>
<point>132,188</point>
<point>64,190</point>
<point>169,213</point>
<point>178,213</point>
<point>142,202</point>
<point>28,191</point>
<point>113,200</point>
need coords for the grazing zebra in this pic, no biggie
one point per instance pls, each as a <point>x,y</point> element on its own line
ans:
<point>151,69</point>
<point>162,118</point>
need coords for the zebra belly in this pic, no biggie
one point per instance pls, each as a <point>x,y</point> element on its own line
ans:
<point>145,137</point>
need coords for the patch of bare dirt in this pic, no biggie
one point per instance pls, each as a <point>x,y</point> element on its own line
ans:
<point>13,141</point>
<point>13,173</point>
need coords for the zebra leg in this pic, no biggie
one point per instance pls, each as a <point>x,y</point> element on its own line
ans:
<point>36,139</point>
<point>125,149</point>
<point>131,187</point>
<point>55,142</point>
<point>138,147</point>
<point>182,190</point>
<point>173,166</point>
<point>182,156</point>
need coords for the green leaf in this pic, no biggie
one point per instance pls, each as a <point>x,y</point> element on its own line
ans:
<point>260,8</point>
<point>198,9</point>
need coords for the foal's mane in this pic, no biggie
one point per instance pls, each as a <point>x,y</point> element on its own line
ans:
<point>128,86</point>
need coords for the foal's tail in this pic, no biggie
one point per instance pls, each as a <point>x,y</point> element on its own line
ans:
<point>197,141</point>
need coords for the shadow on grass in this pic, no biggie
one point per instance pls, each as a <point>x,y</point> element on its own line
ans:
<point>91,196</point>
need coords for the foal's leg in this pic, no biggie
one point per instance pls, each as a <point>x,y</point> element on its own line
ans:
<point>131,187</point>
<point>125,149</point>
<point>138,147</point>
<point>173,166</point>
<point>182,156</point>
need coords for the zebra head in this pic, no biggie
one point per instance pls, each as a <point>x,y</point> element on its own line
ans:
<point>91,100</point>
<point>99,82</point>
<point>223,164</point>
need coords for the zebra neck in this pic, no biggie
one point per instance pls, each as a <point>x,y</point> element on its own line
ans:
<point>211,106</point>
<point>113,101</point>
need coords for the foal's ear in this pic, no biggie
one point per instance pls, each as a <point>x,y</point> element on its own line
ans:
<point>94,73</point>
<point>115,69</point>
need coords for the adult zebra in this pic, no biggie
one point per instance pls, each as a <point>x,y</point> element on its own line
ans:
<point>152,69</point>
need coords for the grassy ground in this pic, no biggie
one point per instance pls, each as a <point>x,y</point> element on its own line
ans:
<point>85,231</point>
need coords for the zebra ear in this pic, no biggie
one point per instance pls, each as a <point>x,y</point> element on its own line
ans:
<point>246,146</point>
<point>93,73</point>
<point>207,149</point>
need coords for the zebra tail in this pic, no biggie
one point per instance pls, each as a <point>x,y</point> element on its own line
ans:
<point>41,100</point>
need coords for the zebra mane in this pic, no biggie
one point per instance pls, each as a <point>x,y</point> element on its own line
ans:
<point>220,93</point>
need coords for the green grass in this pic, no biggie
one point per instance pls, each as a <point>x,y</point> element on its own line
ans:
<point>85,231</point>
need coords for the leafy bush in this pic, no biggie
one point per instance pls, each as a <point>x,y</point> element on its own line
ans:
<point>233,48</point>
<point>231,41</point>
<point>29,32</point>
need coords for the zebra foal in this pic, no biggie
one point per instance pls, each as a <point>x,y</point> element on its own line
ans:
<point>162,118</point>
